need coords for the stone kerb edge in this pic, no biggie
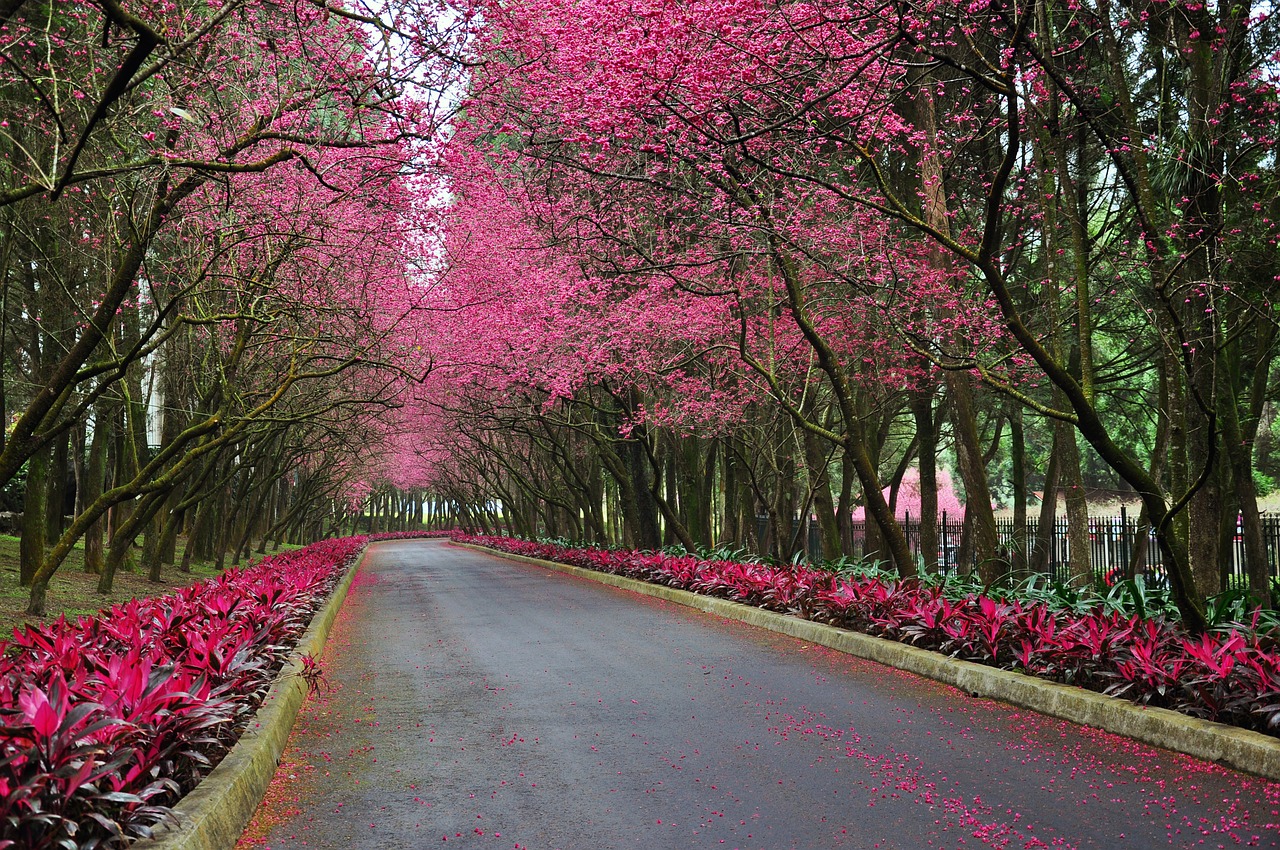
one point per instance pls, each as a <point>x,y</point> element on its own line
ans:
<point>1241,749</point>
<point>214,814</point>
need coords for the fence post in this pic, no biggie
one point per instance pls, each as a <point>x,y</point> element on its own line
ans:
<point>1124,544</point>
<point>906,528</point>
<point>942,539</point>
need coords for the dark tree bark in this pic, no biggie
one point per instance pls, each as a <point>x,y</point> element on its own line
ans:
<point>34,516</point>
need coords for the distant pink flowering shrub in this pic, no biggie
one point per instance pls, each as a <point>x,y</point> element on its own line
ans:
<point>1228,676</point>
<point>107,721</point>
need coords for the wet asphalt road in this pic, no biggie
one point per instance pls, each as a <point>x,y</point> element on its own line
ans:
<point>479,702</point>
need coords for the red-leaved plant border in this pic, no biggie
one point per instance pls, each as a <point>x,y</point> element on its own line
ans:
<point>107,721</point>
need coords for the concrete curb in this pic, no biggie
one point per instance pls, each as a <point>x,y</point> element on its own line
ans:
<point>214,814</point>
<point>1251,752</point>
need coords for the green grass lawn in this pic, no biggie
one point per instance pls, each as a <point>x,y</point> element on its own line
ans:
<point>74,592</point>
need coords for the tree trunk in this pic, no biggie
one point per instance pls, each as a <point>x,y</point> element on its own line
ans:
<point>1018,471</point>
<point>1204,510</point>
<point>927,437</point>
<point>643,509</point>
<point>126,535</point>
<point>844,506</point>
<point>34,516</point>
<point>818,460</point>
<point>1239,439</point>
<point>973,473</point>
<point>1042,550</point>
<point>55,501</point>
<point>1080,556</point>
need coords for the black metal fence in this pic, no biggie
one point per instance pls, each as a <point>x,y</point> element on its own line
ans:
<point>1113,543</point>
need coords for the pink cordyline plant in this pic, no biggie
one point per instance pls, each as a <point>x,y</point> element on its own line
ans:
<point>106,721</point>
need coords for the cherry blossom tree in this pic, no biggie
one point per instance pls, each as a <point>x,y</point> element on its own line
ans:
<point>871,194</point>
<point>225,190</point>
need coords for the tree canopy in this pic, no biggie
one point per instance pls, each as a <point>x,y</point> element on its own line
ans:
<point>702,273</point>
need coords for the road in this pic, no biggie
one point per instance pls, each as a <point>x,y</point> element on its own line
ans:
<point>486,703</point>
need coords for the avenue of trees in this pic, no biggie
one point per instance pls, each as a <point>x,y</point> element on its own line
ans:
<point>726,258</point>
<point>638,273</point>
<point>206,304</point>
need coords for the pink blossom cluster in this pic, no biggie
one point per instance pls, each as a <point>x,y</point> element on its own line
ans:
<point>626,187</point>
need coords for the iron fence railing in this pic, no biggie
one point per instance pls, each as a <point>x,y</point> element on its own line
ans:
<point>1113,543</point>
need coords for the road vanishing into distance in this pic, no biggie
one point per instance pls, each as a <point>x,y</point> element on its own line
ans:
<point>479,702</point>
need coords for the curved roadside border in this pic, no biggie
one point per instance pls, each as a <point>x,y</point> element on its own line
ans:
<point>214,814</point>
<point>1241,749</point>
